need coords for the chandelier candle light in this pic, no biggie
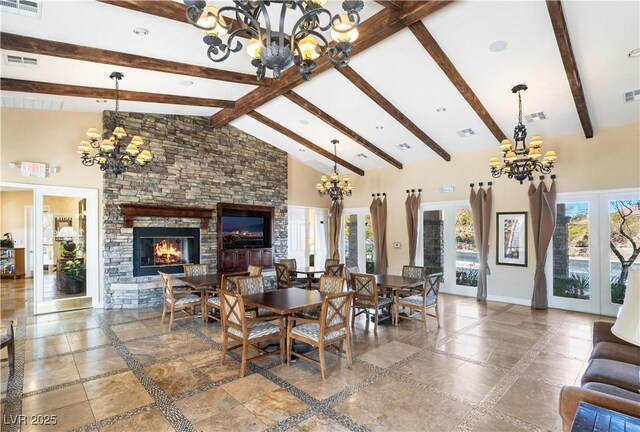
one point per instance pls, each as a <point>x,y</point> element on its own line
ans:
<point>519,162</point>
<point>273,48</point>
<point>115,154</point>
<point>332,186</point>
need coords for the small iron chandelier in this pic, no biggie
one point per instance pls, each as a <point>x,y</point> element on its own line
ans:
<point>332,186</point>
<point>519,162</point>
<point>115,154</point>
<point>275,49</point>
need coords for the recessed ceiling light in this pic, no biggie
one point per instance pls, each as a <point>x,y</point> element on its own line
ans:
<point>304,122</point>
<point>362,156</point>
<point>498,46</point>
<point>466,132</point>
<point>302,150</point>
<point>403,146</point>
<point>634,53</point>
<point>441,109</point>
<point>101,100</point>
<point>379,127</point>
<point>141,31</point>
<point>186,83</point>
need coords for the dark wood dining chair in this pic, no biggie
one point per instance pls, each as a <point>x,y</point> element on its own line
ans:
<point>247,331</point>
<point>8,340</point>
<point>284,280</point>
<point>367,298</point>
<point>332,328</point>
<point>426,299</point>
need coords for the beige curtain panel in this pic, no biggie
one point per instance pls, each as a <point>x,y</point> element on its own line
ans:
<point>480,203</point>
<point>412,205</point>
<point>542,203</point>
<point>335,219</point>
<point>378,210</point>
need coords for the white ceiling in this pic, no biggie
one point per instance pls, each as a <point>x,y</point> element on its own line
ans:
<point>602,33</point>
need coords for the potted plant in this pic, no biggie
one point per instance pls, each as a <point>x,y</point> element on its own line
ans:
<point>74,277</point>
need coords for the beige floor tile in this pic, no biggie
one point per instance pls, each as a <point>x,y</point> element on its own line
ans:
<point>491,423</point>
<point>47,402</point>
<point>249,387</point>
<point>533,402</point>
<point>410,409</point>
<point>555,368</point>
<point>318,423</point>
<point>235,419</point>
<point>86,370</point>
<point>117,403</point>
<point>206,404</point>
<point>469,381</point>
<point>152,420</point>
<point>389,354</point>
<point>217,371</point>
<point>275,406</point>
<point>123,382</point>
<point>66,418</point>
<point>569,346</point>
<point>429,367</point>
<point>295,372</point>
<point>42,379</point>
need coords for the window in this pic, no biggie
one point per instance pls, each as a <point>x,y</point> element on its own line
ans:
<point>433,241</point>
<point>571,251</point>
<point>624,244</point>
<point>351,240</point>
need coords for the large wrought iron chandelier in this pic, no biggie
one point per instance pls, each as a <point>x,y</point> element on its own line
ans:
<point>332,186</point>
<point>275,48</point>
<point>520,162</point>
<point>115,154</point>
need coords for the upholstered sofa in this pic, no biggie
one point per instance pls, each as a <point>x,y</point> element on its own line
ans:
<point>612,379</point>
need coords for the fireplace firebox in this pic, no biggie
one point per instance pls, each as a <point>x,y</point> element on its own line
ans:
<point>164,249</point>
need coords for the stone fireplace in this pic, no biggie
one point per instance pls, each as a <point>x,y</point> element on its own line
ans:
<point>164,249</point>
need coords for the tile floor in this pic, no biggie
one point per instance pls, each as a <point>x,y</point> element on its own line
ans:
<point>489,367</point>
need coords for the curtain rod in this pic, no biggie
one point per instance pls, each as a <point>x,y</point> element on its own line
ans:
<point>413,190</point>
<point>481,184</point>
<point>378,194</point>
<point>553,177</point>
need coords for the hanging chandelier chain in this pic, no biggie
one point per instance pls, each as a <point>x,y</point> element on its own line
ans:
<point>117,94</point>
<point>519,108</point>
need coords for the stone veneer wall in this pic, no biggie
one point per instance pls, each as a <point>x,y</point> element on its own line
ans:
<point>193,165</point>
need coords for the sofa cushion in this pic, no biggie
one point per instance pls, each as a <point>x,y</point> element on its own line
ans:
<point>615,373</point>
<point>613,391</point>
<point>616,351</point>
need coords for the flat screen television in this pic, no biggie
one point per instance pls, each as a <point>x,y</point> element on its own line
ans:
<point>243,232</point>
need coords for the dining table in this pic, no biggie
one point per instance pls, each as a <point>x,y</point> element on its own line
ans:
<point>285,302</point>
<point>395,283</point>
<point>310,272</point>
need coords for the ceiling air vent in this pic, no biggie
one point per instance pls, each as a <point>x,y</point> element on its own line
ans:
<point>22,7</point>
<point>403,146</point>
<point>535,117</point>
<point>17,60</point>
<point>29,103</point>
<point>466,132</point>
<point>632,95</point>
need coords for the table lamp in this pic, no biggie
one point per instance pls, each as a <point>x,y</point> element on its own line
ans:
<point>68,234</point>
<point>627,326</point>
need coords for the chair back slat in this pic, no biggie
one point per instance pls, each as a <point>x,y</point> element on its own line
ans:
<point>228,281</point>
<point>291,263</point>
<point>365,286</point>
<point>347,274</point>
<point>331,261</point>
<point>232,308</point>
<point>413,272</point>
<point>282,275</point>
<point>432,284</point>
<point>334,270</point>
<point>334,314</point>
<point>195,269</point>
<point>331,284</point>
<point>254,270</point>
<point>250,285</point>
<point>167,286</point>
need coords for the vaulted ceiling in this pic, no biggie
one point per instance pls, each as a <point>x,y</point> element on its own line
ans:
<point>421,73</point>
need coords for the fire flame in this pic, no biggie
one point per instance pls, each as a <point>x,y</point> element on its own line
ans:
<point>167,252</point>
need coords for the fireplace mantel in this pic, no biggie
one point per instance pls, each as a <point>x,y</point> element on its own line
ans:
<point>130,211</point>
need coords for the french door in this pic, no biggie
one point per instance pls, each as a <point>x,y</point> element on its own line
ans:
<point>356,244</point>
<point>595,242</point>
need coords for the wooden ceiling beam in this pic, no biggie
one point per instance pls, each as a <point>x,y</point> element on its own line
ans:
<point>165,9</point>
<point>10,41</point>
<point>373,30</point>
<point>303,141</point>
<point>391,109</point>
<point>303,103</point>
<point>9,84</point>
<point>429,43</point>
<point>570,67</point>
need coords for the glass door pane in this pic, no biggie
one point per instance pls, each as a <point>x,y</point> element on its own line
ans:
<point>350,234</point>
<point>467,264</point>
<point>624,244</point>
<point>433,241</point>
<point>571,257</point>
<point>368,241</point>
